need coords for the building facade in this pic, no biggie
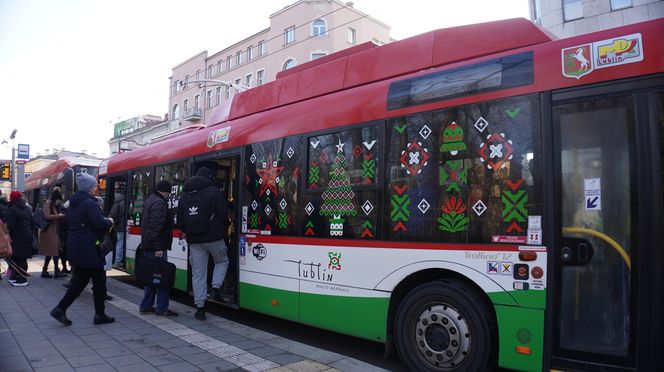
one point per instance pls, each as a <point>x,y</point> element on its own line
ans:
<point>136,132</point>
<point>301,32</point>
<point>565,18</point>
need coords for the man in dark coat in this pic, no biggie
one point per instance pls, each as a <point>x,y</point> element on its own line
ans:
<point>203,216</point>
<point>87,226</point>
<point>4,204</point>
<point>156,239</point>
<point>119,216</point>
<point>19,224</point>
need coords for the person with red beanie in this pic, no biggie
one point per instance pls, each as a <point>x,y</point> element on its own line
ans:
<point>19,224</point>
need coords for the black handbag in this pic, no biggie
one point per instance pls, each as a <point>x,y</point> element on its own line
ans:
<point>108,243</point>
<point>155,272</point>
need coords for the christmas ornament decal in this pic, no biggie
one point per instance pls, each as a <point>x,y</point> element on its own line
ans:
<point>453,139</point>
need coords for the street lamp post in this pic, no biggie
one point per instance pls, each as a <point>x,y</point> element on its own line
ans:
<point>12,171</point>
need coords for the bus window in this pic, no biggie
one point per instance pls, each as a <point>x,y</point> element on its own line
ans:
<point>465,174</point>
<point>270,201</point>
<point>342,182</point>
<point>176,174</point>
<point>141,187</point>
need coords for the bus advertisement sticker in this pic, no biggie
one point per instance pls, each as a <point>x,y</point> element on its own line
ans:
<point>245,213</point>
<point>534,237</point>
<point>592,190</point>
<point>512,239</point>
<point>521,286</point>
<point>492,267</point>
<point>506,268</point>
<point>534,222</point>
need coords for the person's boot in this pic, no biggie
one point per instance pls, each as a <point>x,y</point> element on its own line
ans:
<point>58,274</point>
<point>59,315</point>
<point>46,274</point>
<point>103,319</point>
<point>200,313</point>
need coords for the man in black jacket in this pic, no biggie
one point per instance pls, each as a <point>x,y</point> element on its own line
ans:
<point>203,217</point>
<point>156,239</point>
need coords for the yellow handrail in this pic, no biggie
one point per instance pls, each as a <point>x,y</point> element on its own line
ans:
<point>606,238</point>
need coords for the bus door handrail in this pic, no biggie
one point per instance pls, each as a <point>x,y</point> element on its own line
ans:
<point>602,236</point>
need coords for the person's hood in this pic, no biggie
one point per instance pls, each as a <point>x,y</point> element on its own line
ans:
<point>197,183</point>
<point>79,197</point>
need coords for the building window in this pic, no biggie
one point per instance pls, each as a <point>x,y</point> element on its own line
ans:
<point>288,64</point>
<point>260,77</point>
<point>176,112</point>
<point>238,58</point>
<point>238,81</point>
<point>572,9</point>
<point>186,81</point>
<point>218,67</point>
<point>262,49</point>
<point>351,36</point>
<point>208,98</point>
<point>317,55</point>
<point>176,86</point>
<point>209,71</point>
<point>250,52</point>
<point>218,96</point>
<point>198,74</point>
<point>289,35</point>
<point>319,28</point>
<point>186,105</point>
<point>197,101</point>
<point>227,92</point>
<point>620,4</point>
<point>248,80</point>
<point>228,62</point>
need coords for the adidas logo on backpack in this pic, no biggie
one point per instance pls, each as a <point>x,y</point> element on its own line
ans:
<point>193,211</point>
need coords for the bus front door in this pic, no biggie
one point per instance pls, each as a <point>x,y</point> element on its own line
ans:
<point>600,216</point>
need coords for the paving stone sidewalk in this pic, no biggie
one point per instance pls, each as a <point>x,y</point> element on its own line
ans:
<point>30,340</point>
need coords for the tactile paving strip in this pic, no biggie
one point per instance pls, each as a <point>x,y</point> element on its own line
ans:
<point>221,349</point>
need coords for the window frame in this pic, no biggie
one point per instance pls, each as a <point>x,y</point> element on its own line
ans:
<point>238,58</point>
<point>351,36</point>
<point>197,101</point>
<point>630,5</point>
<point>315,32</point>
<point>218,95</point>
<point>250,53</point>
<point>571,4</point>
<point>248,80</point>
<point>289,35</point>
<point>208,98</point>
<point>260,77</point>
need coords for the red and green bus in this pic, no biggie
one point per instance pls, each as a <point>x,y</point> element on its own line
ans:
<point>473,196</point>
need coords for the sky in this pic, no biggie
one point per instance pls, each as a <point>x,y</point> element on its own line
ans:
<point>71,68</point>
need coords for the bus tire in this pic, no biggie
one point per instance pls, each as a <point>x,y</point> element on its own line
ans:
<point>444,326</point>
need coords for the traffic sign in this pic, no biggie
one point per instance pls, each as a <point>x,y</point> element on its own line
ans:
<point>23,151</point>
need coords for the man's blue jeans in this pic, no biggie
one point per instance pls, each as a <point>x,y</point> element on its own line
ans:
<point>119,248</point>
<point>150,292</point>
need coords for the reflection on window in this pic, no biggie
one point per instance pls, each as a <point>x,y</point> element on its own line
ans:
<point>141,187</point>
<point>176,174</point>
<point>620,4</point>
<point>468,174</point>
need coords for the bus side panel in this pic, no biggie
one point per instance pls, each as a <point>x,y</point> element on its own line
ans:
<point>269,294</point>
<point>132,240</point>
<point>356,312</point>
<point>521,337</point>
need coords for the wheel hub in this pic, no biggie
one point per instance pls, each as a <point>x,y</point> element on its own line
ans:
<point>442,336</point>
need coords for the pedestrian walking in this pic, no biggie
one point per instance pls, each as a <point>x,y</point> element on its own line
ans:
<point>119,215</point>
<point>19,224</point>
<point>49,241</point>
<point>87,225</point>
<point>203,217</point>
<point>156,239</point>
<point>62,236</point>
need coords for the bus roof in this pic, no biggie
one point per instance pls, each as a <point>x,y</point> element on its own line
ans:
<point>352,88</point>
<point>49,174</point>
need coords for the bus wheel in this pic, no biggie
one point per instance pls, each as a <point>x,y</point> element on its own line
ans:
<point>444,326</point>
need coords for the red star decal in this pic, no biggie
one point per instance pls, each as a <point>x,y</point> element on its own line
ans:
<point>269,176</point>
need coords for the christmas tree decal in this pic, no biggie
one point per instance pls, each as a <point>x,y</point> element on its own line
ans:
<point>338,196</point>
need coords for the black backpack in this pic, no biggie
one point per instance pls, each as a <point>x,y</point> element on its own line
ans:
<point>197,214</point>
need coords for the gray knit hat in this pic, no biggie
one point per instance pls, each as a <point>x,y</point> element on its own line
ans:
<point>85,182</point>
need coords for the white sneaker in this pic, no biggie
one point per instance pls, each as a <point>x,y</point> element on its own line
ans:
<point>19,284</point>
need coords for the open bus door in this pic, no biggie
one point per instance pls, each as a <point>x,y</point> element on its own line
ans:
<point>116,190</point>
<point>225,170</point>
<point>608,295</point>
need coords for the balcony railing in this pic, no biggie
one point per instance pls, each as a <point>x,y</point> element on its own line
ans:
<point>193,114</point>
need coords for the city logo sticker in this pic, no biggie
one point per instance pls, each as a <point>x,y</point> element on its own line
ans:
<point>577,61</point>
<point>618,51</point>
<point>218,136</point>
<point>335,260</point>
